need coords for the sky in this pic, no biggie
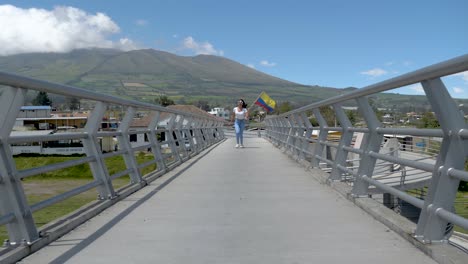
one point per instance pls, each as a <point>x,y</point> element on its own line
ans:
<point>329,43</point>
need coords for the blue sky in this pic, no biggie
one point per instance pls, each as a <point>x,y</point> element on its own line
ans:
<point>329,43</point>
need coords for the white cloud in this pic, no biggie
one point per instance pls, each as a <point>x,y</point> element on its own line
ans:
<point>141,22</point>
<point>458,90</point>
<point>267,63</point>
<point>59,30</point>
<point>417,88</point>
<point>250,65</point>
<point>464,75</point>
<point>375,72</point>
<point>204,48</point>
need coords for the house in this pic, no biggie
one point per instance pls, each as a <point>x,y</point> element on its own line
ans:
<point>220,112</point>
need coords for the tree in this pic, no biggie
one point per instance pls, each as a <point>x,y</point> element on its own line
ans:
<point>428,120</point>
<point>163,100</point>
<point>73,103</point>
<point>202,104</point>
<point>283,107</point>
<point>41,99</point>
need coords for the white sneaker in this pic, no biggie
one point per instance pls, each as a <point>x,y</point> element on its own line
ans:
<point>241,146</point>
<point>237,145</point>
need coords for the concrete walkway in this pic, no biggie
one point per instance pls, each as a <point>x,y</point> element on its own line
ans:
<point>251,205</point>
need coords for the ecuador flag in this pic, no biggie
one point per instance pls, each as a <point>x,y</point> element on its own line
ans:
<point>266,102</point>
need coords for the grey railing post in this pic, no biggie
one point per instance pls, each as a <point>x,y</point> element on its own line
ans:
<point>346,138</point>
<point>12,197</point>
<point>188,134</point>
<point>124,142</point>
<point>197,135</point>
<point>209,132</point>
<point>180,136</point>
<point>202,131</point>
<point>171,140</point>
<point>290,140</point>
<point>279,132</point>
<point>155,145</point>
<point>443,189</point>
<point>275,132</point>
<point>298,135</point>
<point>308,134</point>
<point>372,144</point>
<point>284,132</point>
<point>322,137</point>
<point>301,130</point>
<point>92,149</point>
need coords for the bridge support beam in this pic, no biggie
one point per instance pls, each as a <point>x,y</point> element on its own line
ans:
<point>124,142</point>
<point>346,138</point>
<point>12,197</point>
<point>321,139</point>
<point>92,149</point>
<point>443,189</point>
<point>307,133</point>
<point>371,144</point>
<point>155,145</point>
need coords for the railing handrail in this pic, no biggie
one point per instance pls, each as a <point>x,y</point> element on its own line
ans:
<point>455,65</point>
<point>19,81</point>
<point>293,131</point>
<point>186,134</point>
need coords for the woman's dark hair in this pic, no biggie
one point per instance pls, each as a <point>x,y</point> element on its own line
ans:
<point>244,105</point>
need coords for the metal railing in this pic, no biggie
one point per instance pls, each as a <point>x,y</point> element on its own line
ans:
<point>186,135</point>
<point>294,132</point>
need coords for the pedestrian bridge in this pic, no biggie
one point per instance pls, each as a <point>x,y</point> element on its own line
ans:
<point>302,191</point>
<point>231,205</point>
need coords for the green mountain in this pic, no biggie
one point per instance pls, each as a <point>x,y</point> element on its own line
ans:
<point>146,74</point>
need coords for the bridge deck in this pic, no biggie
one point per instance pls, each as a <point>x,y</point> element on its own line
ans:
<point>251,205</point>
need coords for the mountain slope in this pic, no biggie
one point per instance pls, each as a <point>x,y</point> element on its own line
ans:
<point>146,74</point>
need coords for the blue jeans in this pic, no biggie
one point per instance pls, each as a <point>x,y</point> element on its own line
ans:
<point>239,126</point>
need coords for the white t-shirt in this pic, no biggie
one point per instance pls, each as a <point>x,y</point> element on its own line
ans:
<point>240,114</point>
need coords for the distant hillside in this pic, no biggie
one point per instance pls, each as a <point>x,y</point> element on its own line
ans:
<point>146,74</point>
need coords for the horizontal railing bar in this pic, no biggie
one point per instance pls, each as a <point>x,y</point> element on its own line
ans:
<point>45,138</point>
<point>19,81</point>
<point>403,195</point>
<point>136,132</point>
<point>459,174</point>
<point>56,199</point>
<point>108,133</point>
<point>5,219</point>
<point>463,133</point>
<point>455,65</point>
<point>146,164</point>
<point>451,217</point>
<point>359,129</point>
<point>339,129</point>
<point>121,173</point>
<point>347,170</point>
<point>412,132</point>
<point>329,162</point>
<point>113,153</point>
<point>51,167</point>
<point>149,145</point>
<point>410,163</point>
<point>353,150</point>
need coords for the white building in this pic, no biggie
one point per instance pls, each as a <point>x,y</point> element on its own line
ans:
<point>220,112</point>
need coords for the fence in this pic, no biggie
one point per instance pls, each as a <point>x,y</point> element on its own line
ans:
<point>294,132</point>
<point>186,134</point>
